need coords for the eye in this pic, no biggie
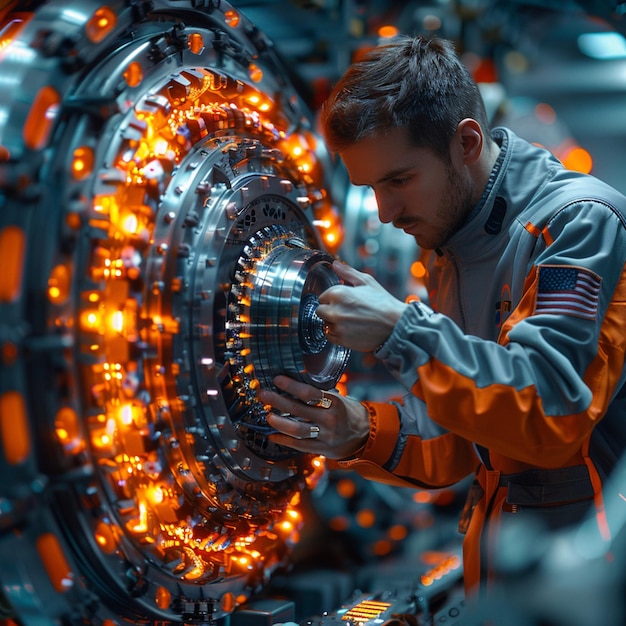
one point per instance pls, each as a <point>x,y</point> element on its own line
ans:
<point>400,181</point>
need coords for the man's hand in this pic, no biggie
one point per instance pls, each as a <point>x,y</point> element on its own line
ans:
<point>336,432</point>
<point>361,316</point>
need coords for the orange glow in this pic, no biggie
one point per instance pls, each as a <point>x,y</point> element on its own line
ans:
<point>133,74</point>
<point>9,32</point>
<point>105,538</point>
<point>67,430</point>
<point>232,18</point>
<point>423,497</point>
<point>82,163</point>
<point>195,43</point>
<point>163,598</point>
<point>12,250</point>
<point>228,602</point>
<point>54,562</point>
<point>101,23</point>
<point>139,524</point>
<point>59,284</point>
<point>366,518</point>
<point>89,320</point>
<point>578,160</point>
<point>330,225</point>
<point>346,488</point>
<point>418,270</point>
<point>255,73</point>
<point>445,565</point>
<point>111,317</point>
<point>286,526</point>
<point>398,532</point>
<point>387,31</point>
<point>14,427</point>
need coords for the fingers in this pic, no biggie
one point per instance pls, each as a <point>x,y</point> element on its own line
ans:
<point>303,400</point>
<point>348,274</point>
<point>293,428</point>
<point>299,415</point>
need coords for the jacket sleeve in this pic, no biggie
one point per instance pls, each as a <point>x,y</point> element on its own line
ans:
<point>406,448</point>
<point>536,394</point>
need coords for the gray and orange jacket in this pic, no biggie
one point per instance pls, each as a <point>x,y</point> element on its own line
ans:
<point>518,368</point>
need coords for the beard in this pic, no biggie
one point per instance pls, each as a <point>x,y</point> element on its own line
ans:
<point>456,206</point>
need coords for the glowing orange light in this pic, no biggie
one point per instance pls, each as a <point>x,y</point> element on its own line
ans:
<point>82,162</point>
<point>8,33</point>
<point>133,74</point>
<point>67,430</point>
<point>418,270</point>
<point>140,524</point>
<point>255,72</point>
<point>398,532</point>
<point>105,538</point>
<point>14,427</point>
<point>346,488</point>
<point>59,284</point>
<point>101,23</point>
<point>156,495</point>
<point>126,414</point>
<point>578,160</point>
<point>161,147</point>
<point>423,497</point>
<point>41,116</point>
<point>12,249</point>
<point>366,518</point>
<point>232,18</point>
<point>163,598</point>
<point>195,43</point>
<point>54,562</point>
<point>387,31</point>
<point>89,320</point>
<point>286,526</point>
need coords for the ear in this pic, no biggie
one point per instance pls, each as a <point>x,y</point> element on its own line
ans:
<point>470,140</point>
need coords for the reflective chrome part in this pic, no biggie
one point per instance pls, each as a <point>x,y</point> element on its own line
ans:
<point>155,162</point>
<point>286,335</point>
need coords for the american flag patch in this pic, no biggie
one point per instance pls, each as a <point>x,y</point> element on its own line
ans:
<point>568,291</point>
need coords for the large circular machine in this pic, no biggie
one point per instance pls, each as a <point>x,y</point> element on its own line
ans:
<point>165,233</point>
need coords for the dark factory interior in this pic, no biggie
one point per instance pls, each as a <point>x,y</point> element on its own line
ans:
<point>166,203</point>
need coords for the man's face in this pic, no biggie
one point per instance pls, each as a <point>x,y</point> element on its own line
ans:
<point>415,189</point>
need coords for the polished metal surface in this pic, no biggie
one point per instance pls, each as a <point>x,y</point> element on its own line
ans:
<point>163,218</point>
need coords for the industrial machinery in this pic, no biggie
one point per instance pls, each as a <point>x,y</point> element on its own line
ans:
<point>165,232</point>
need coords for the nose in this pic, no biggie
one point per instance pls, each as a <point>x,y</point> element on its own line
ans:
<point>388,208</point>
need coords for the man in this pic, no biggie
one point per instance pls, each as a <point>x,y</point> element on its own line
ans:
<point>514,368</point>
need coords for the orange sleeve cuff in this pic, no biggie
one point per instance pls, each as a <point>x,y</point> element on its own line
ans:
<point>384,431</point>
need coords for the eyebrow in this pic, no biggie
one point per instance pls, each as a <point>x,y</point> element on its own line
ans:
<point>388,176</point>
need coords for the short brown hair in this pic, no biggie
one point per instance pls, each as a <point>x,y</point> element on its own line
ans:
<point>417,83</point>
